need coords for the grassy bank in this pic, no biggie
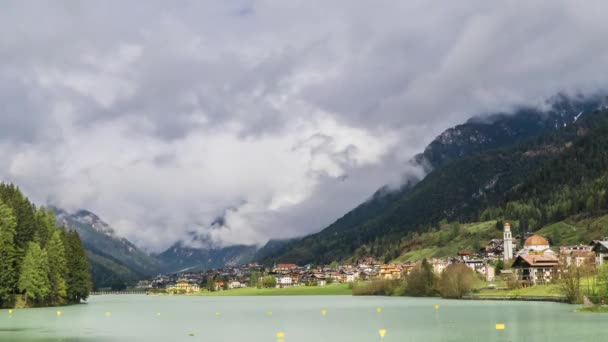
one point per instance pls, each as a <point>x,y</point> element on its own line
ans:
<point>594,309</point>
<point>551,290</point>
<point>341,289</point>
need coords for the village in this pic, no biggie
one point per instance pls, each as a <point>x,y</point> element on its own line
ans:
<point>535,262</point>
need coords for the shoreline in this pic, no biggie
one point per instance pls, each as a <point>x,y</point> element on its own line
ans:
<point>554,299</point>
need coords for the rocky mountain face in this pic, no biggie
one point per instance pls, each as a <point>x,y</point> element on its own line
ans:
<point>492,131</point>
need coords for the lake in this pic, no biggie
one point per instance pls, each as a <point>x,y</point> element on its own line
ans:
<point>300,318</point>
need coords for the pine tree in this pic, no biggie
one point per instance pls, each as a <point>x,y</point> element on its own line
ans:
<point>79,278</point>
<point>8,270</point>
<point>34,280</point>
<point>58,269</point>
<point>46,225</point>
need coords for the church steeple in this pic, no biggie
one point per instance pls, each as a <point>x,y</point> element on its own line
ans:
<point>507,253</point>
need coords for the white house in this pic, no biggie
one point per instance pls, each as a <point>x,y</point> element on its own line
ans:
<point>350,277</point>
<point>438,265</point>
<point>234,284</point>
<point>284,281</point>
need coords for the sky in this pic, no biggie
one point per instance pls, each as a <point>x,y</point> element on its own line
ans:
<point>278,116</point>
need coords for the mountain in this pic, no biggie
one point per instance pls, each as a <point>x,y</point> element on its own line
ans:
<point>180,257</point>
<point>471,166</point>
<point>113,259</point>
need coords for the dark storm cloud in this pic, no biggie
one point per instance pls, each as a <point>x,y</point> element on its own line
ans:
<point>158,115</point>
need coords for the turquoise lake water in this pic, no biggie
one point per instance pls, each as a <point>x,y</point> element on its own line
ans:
<point>144,318</point>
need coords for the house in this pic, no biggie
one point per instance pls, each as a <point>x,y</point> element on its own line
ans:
<point>367,275</point>
<point>367,262</point>
<point>408,267</point>
<point>284,281</point>
<point>475,265</point>
<point>579,255</point>
<point>235,284</point>
<point>438,265</point>
<point>144,284</point>
<point>489,272</point>
<point>285,268</point>
<point>535,268</point>
<point>464,255</point>
<point>493,249</point>
<point>185,286</point>
<point>600,248</point>
<point>390,271</point>
<point>350,277</point>
<point>482,267</point>
<point>320,278</point>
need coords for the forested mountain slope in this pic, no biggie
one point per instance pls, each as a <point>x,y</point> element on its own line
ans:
<point>115,261</point>
<point>461,189</point>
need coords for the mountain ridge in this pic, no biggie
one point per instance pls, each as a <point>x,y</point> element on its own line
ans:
<point>463,141</point>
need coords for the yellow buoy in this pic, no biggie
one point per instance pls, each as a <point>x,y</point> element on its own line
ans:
<point>10,312</point>
<point>269,313</point>
<point>191,334</point>
<point>379,310</point>
<point>217,314</point>
<point>382,333</point>
<point>108,314</point>
<point>158,314</point>
<point>323,312</point>
<point>280,334</point>
<point>500,326</point>
<point>58,313</point>
<point>436,307</point>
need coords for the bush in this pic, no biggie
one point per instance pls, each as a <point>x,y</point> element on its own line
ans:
<point>379,287</point>
<point>456,281</point>
<point>421,281</point>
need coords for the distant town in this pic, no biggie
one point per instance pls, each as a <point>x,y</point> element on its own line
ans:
<point>536,262</point>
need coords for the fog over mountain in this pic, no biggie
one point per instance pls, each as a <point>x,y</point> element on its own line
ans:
<point>275,117</point>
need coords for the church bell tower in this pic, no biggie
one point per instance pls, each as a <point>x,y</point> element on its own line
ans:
<point>507,251</point>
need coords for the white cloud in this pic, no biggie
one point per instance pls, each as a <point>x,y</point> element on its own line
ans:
<point>161,117</point>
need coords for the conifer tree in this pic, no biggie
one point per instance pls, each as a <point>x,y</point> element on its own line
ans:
<point>58,269</point>
<point>34,280</point>
<point>8,270</point>
<point>79,278</point>
<point>46,225</point>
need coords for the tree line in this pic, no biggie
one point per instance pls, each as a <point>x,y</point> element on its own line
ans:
<point>41,264</point>
<point>455,281</point>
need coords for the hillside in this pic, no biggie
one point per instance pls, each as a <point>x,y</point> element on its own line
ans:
<point>180,258</point>
<point>450,238</point>
<point>114,260</point>
<point>462,189</point>
<point>447,240</point>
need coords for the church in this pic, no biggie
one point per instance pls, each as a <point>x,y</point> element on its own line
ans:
<point>536,263</point>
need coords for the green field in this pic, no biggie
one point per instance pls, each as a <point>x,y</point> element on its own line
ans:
<point>340,289</point>
<point>532,291</point>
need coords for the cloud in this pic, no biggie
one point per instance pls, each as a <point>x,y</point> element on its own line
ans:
<point>278,116</point>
